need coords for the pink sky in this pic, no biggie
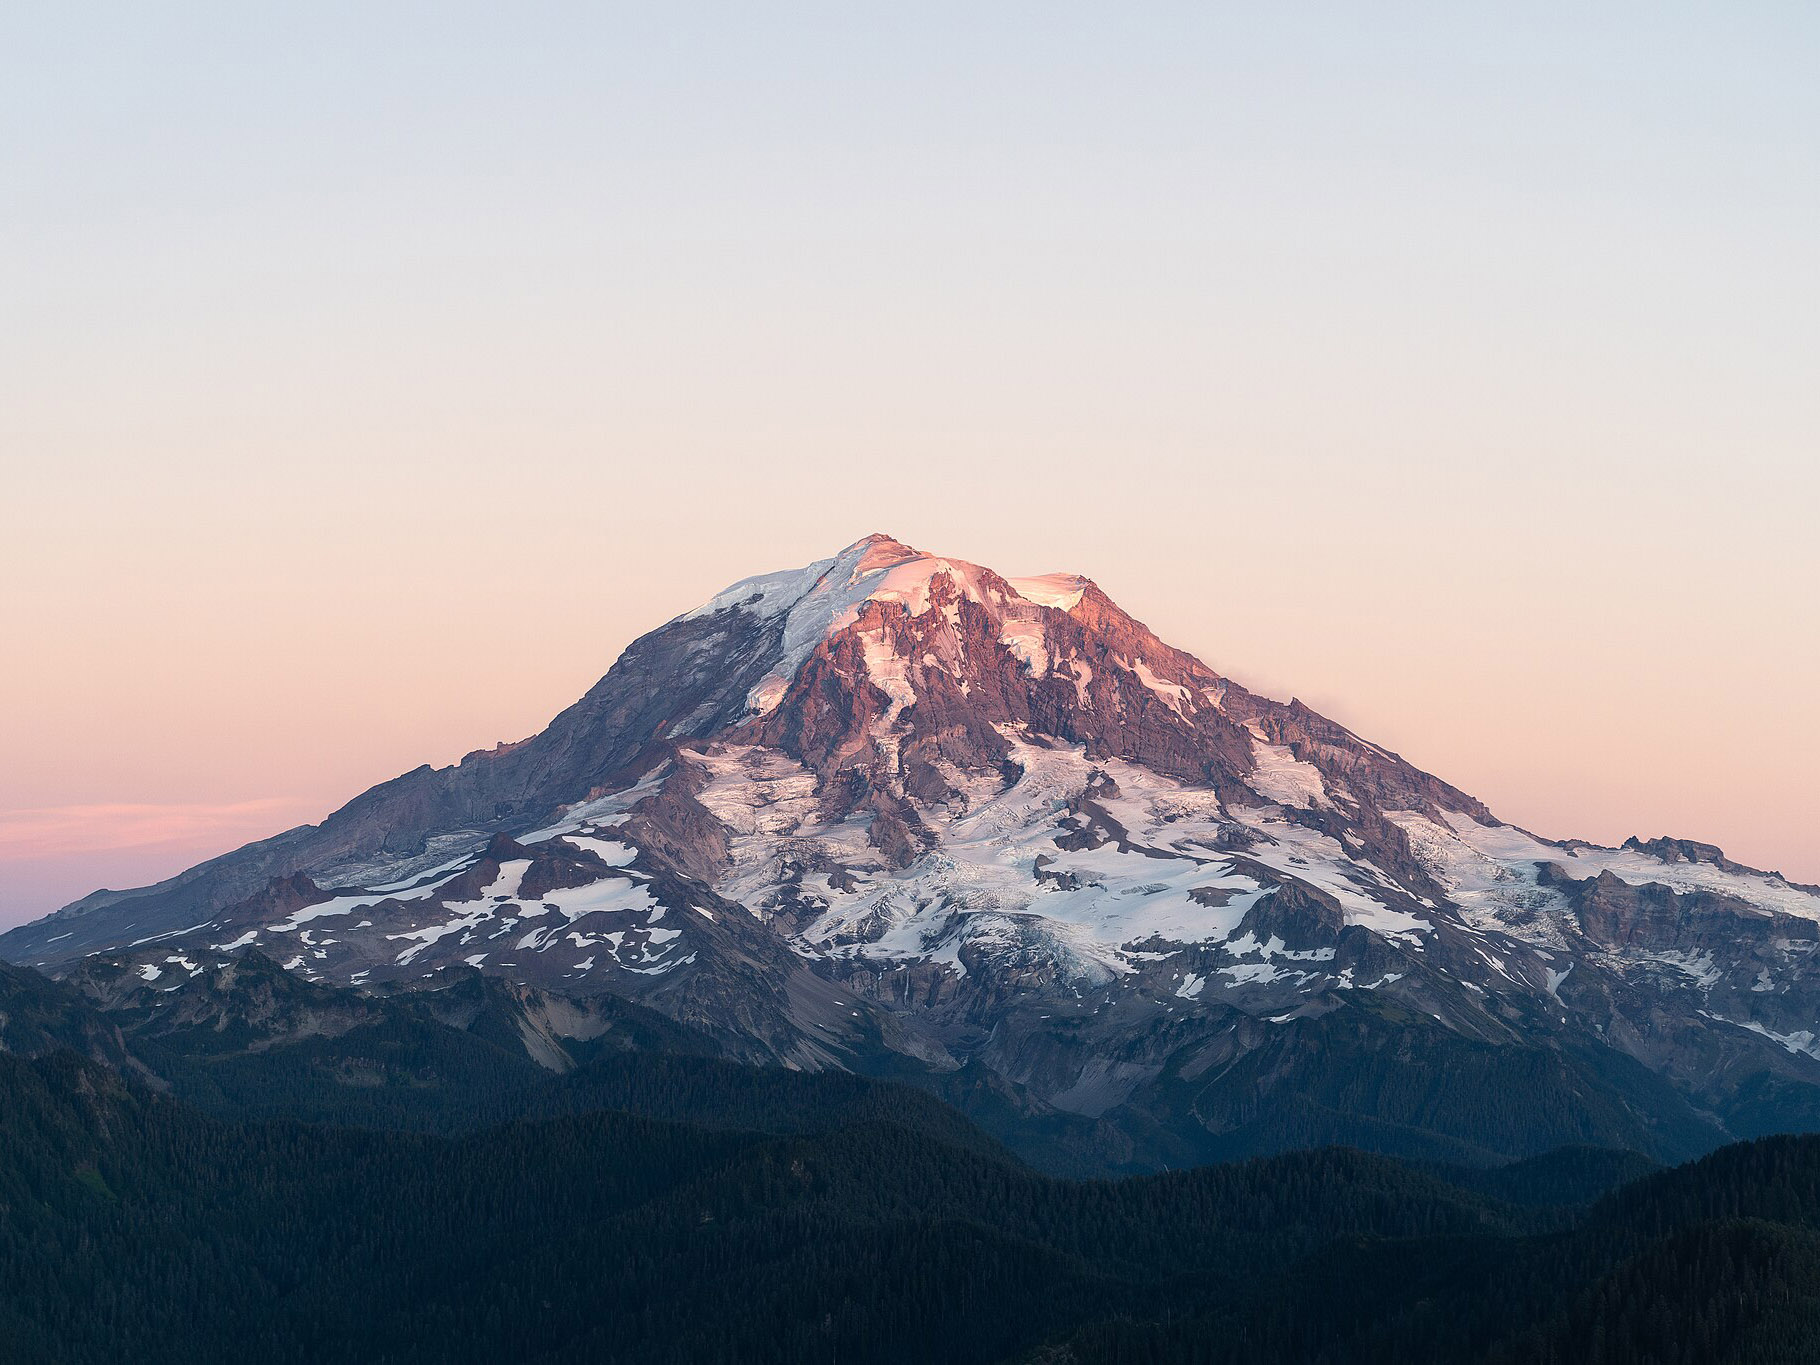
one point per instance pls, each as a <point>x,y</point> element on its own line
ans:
<point>1452,373</point>
<point>179,722</point>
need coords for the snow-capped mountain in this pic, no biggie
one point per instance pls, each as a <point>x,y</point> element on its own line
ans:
<point>893,810</point>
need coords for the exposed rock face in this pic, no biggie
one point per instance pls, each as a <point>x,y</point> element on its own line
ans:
<point>35,1019</point>
<point>1682,851</point>
<point>688,678</point>
<point>217,1028</point>
<point>898,811</point>
<point>242,997</point>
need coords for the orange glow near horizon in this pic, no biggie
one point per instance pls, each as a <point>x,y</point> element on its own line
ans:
<point>1452,373</point>
<point>1569,722</point>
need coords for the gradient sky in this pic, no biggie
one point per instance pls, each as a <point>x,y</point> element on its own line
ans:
<point>370,374</point>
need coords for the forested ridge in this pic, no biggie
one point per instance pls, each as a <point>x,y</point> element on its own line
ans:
<point>865,1226</point>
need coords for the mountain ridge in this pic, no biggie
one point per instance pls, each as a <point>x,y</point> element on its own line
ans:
<point>896,810</point>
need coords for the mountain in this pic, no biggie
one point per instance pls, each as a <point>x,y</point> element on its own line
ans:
<point>897,814</point>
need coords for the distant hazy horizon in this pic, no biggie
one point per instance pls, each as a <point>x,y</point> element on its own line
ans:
<point>371,375</point>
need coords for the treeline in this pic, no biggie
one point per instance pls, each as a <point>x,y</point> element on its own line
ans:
<point>864,1226</point>
<point>1715,1263</point>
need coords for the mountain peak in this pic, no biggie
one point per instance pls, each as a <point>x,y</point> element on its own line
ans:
<point>895,800</point>
<point>881,567</point>
<point>825,597</point>
<point>877,551</point>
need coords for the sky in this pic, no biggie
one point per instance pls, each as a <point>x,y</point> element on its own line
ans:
<point>371,374</point>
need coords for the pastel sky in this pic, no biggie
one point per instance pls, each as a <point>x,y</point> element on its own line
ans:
<point>371,373</point>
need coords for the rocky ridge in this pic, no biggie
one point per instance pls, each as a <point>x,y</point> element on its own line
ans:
<point>894,810</point>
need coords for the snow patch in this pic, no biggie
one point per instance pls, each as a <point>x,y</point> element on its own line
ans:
<point>1279,776</point>
<point>1063,591</point>
<point>1028,642</point>
<point>1177,696</point>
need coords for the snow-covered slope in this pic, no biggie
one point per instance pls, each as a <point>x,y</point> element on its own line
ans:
<point>896,804</point>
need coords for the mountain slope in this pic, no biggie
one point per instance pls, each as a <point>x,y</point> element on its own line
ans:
<point>898,813</point>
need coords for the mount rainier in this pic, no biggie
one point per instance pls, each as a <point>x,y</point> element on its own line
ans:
<point>897,814</point>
